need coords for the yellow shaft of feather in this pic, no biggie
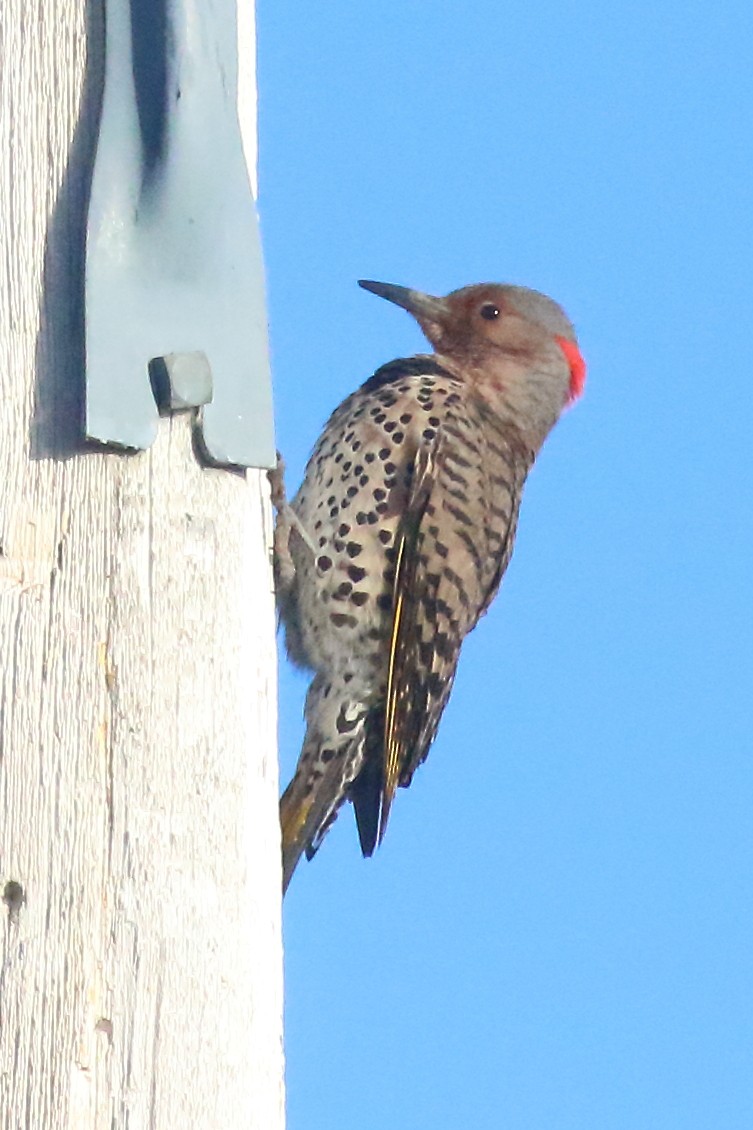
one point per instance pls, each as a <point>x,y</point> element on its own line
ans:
<point>391,748</point>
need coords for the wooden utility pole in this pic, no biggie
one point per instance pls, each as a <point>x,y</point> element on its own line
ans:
<point>140,950</point>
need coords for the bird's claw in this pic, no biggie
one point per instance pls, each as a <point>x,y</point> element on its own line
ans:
<point>286,515</point>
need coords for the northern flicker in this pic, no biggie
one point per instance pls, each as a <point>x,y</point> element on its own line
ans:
<point>398,538</point>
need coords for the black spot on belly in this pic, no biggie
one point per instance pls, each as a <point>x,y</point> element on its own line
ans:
<point>343,619</point>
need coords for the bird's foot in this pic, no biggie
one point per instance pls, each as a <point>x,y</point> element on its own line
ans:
<point>287,519</point>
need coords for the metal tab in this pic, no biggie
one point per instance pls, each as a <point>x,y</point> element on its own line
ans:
<point>174,262</point>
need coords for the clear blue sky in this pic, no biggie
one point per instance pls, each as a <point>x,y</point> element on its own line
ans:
<point>557,933</point>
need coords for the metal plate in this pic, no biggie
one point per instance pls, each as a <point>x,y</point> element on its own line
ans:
<point>174,260</point>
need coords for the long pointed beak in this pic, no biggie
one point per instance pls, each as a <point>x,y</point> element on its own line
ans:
<point>420,305</point>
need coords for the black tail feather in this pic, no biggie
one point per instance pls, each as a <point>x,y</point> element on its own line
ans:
<point>366,795</point>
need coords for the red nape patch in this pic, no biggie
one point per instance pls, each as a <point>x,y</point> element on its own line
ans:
<point>577,367</point>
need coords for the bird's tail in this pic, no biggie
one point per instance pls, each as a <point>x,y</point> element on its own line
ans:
<point>325,771</point>
<point>367,789</point>
<point>294,824</point>
<point>308,808</point>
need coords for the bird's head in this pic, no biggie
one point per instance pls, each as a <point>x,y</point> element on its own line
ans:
<point>480,326</point>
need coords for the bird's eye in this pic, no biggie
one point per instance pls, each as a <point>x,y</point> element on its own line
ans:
<point>489,311</point>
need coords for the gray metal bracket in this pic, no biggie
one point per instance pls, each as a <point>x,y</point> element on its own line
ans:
<point>174,273</point>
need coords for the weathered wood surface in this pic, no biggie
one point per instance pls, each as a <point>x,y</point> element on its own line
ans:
<point>140,972</point>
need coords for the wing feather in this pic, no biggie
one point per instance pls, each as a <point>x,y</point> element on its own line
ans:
<point>452,547</point>
<point>397,729</point>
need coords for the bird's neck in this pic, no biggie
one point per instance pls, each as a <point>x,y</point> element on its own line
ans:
<point>523,392</point>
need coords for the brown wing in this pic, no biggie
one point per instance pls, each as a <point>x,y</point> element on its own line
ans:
<point>403,721</point>
<point>452,548</point>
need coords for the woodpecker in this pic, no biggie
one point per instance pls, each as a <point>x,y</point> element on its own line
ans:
<point>397,541</point>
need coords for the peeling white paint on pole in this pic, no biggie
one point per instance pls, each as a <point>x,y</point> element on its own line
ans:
<point>140,973</point>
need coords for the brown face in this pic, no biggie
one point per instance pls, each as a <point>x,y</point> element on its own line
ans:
<point>496,303</point>
<point>473,323</point>
<point>476,321</point>
<point>478,317</point>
